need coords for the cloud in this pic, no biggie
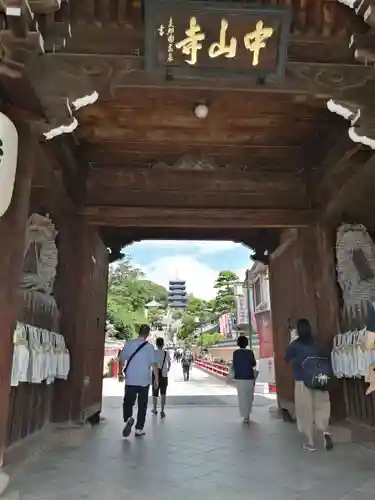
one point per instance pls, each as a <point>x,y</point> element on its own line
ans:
<point>188,246</point>
<point>199,277</point>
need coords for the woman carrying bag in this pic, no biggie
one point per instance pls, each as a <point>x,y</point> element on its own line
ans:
<point>243,372</point>
<point>164,364</point>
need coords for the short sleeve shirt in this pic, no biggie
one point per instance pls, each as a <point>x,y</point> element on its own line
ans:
<point>159,358</point>
<point>139,370</point>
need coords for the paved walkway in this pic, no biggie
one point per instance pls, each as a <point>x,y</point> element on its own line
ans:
<point>201,450</point>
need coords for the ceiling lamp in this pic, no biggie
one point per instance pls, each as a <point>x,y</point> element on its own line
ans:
<point>201,111</point>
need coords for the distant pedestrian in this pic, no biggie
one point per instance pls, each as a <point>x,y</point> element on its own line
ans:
<point>163,361</point>
<point>310,362</point>
<point>139,356</point>
<point>244,374</point>
<point>186,360</point>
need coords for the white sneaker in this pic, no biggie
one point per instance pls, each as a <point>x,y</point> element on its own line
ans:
<point>139,432</point>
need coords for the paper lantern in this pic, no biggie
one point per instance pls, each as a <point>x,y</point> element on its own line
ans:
<point>8,161</point>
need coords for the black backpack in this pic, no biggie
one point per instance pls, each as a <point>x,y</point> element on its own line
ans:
<point>317,373</point>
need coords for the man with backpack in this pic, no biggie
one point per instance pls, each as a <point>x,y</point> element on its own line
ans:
<point>187,360</point>
<point>139,356</point>
<point>312,373</point>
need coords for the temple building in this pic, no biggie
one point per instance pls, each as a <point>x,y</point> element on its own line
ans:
<point>122,120</point>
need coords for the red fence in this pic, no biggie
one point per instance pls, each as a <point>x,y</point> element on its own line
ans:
<point>222,371</point>
<point>216,368</point>
<point>111,351</point>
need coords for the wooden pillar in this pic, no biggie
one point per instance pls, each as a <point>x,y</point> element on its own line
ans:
<point>303,284</point>
<point>327,303</point>
<point>81,288</point>
<point>72,286</point>
<point>12,241</point>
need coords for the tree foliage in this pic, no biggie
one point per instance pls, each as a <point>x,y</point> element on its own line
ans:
<point>209,339</point>
<point>128,294</point>
<point>201,313</point>
<point>224,285</point>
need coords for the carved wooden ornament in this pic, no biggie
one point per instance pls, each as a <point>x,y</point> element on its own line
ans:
<point>41,255</point>
<point>355,254</point>
<point>8,161</point>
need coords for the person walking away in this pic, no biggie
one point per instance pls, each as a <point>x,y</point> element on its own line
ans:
<point>139,356</point>
<point>243,367</point>
<point>312,372</point>
<point>186,360</point>
<point>163,361</point>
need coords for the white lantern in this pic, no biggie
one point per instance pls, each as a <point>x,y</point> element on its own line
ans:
<point>8,161</point>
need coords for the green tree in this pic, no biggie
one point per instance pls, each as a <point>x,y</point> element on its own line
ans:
<point>155,316</point>
<point>224,285</point>
<point>187,327</point>
<point>209,339</point>
<point>128,293</point>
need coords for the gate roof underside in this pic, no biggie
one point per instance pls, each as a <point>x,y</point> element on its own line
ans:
<point>142,165</point>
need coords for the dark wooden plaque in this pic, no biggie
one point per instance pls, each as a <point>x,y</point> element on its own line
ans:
<point>193,39</point>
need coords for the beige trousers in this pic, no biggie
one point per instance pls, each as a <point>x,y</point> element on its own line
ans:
<point>312,407</point>
<point>245,391</point>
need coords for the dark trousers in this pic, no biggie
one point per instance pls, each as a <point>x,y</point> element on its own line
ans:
<point>186,371</point>
<point>131,394</point>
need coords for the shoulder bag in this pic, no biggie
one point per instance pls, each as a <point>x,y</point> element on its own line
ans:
<point>132,356</point>
<point>162,366</point>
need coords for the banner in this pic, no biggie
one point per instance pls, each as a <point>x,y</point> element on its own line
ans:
<point>264,329</point>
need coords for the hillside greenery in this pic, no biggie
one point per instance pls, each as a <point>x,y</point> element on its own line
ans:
<point>129,291</point>
<point>128,294</point>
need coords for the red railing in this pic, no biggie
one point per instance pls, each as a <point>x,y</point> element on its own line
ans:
<point>216,368</point>
<point>222,371</point>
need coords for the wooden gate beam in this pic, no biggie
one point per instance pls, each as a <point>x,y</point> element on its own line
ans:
<point>196,218</point>
<point>113,74</point>
<point>347,196</point>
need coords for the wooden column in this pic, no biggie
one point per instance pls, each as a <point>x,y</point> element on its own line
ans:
<point>81,288</point>
<point>12,241</point>
<point>327,304</point>
<point>303,284</point>
<point>72,287</point>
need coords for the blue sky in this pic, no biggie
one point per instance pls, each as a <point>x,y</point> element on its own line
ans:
<point>198,262</point>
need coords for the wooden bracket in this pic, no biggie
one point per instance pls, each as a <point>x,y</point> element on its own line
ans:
<point>363,8</point>
<point>361,118</point>
<point>30,30</point>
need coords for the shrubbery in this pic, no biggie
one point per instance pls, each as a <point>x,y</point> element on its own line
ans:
<point>210,339</point>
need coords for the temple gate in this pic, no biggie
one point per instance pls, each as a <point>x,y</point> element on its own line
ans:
<point>128,128</point>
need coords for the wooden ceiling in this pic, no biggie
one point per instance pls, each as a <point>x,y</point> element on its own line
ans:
<point>143,123</point>
<point>241,130</point>
<point>142,159</point>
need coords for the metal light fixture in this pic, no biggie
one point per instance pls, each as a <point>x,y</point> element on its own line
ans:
<point>201,111</point>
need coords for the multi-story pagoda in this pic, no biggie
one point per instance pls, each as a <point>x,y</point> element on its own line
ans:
<point>177,296</point>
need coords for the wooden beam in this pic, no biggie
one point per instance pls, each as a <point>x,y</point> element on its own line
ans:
<point>19,16</point>
<point>352,191</point>
<point>363,8</point>
<point>197,217</point>
<point>216,188</point>
<point>331,168</point>
<point>45,6</point>
<point>203,180</point>
<point>113,74</point>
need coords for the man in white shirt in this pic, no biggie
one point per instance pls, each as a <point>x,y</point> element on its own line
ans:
<point>164,364</point>
<point>139,356</point>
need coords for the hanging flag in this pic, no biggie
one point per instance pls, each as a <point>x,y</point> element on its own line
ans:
<point>224,324</point>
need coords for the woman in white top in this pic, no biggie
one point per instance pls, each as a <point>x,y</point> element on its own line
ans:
<point>163,361</point>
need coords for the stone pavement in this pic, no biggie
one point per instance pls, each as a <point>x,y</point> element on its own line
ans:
<point>201,450</point>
